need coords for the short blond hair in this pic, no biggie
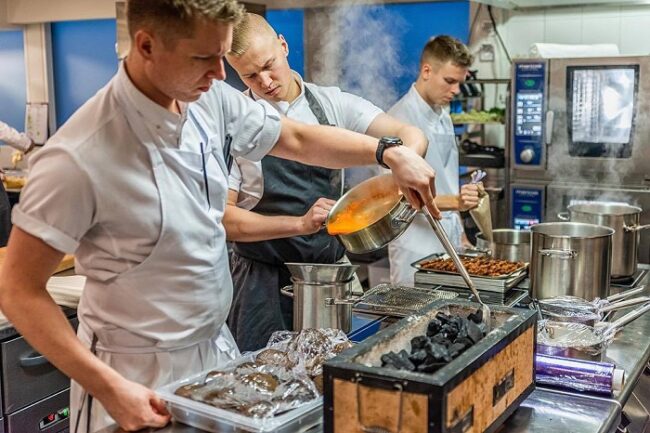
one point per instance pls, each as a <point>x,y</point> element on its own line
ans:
<point>444,49</point>
<point>175,18</point>
<point>251,24</point>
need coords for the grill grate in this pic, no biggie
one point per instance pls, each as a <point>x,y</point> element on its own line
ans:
<point>399,300</point>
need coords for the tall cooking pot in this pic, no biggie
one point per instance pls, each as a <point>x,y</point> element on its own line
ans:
<point>569,258</point>
<point>321,295</point>
<point>624,219</point>
<point>370,215</point>
<point>506,244</point>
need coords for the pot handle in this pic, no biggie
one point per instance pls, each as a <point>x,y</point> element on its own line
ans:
<point>405,216</point>
<point>617,324</point>
<point>287,291</point>
<point>626,303</point>
<point>636,228</point>
<point>562,254</point>
<point>334,301</point>
<point>563,216</point>
<point>625,294</point>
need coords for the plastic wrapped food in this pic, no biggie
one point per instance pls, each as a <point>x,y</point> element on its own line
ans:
<point>554,338</point>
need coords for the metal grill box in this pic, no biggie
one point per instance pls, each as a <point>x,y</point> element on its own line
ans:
<point>474,393</point>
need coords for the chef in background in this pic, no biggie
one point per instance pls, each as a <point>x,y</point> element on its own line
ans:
<point>22,144</point>
<point>444,65</point>
<point>135,185</point>
<point>277,207</point>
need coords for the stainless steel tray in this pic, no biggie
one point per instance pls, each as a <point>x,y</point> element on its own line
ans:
<point>398,301</point>
<point>418,265</point>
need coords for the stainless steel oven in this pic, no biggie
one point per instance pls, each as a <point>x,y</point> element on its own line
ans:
<point>579,132</point>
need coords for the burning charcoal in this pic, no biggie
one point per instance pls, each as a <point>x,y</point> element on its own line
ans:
<point>406,363</point>
<point>434,327</point>
<point>440,339</point>
<point>474,332</point>
<point>457,323</point>
<point>418,342</point>
<point>418,357</point>
<point>437,351</point>
<point>450,331</point>
<point>387,360</point>
<point>465,341</point>
<point>392,359</point>
<point>476,317</point>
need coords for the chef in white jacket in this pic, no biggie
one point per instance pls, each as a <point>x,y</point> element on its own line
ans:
<point>135,185</point>
<point>444,64</point>
<point>22,143</point>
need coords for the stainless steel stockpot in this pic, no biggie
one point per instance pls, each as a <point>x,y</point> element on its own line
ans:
<point>569,258</point>
<point>624,219</point>
<point>388,213</point>
<point>507,244</point>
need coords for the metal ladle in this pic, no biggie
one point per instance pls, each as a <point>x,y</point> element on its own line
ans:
<point>444,240</point>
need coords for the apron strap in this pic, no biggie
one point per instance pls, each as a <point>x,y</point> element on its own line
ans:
<point>86,396</point>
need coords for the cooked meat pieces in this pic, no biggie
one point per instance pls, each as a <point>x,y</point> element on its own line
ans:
<point>479,266</point>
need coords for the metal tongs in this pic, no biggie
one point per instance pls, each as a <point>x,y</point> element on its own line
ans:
<point>442,236</point>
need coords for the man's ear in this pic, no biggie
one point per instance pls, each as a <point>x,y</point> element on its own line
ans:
<point>144,43</point>
<point>425,71</point>
<point>284,44</point>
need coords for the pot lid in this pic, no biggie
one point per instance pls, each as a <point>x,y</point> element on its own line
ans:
<point>322,273</point>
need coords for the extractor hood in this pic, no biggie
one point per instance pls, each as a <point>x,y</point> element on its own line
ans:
<point>529,4</point>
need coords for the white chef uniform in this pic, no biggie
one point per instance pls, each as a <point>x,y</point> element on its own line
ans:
<point>138,194</point>
<point>419,240</point>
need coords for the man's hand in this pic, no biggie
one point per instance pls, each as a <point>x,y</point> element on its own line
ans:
<point>313,220</point>
<point>134,406</point>
<point>414,176</point>
<point>468,198</point>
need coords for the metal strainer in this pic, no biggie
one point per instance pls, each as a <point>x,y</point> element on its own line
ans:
<point>399,301</point>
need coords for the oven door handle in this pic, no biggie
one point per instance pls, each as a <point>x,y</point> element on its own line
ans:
<point>33,359</point>
<point>548,134</point>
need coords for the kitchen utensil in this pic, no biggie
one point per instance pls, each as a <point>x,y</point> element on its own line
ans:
<point>398,301</point>
<point>578,310</point>
<point>624,220</point>
<point>506,244</point>
<point>570,259</point>
<point>322,273</point>
<point>577,339</point>
<point>444,240</point>
<point>370,215</point>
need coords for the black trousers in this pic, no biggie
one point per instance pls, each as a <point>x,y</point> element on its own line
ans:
<point>5,216</point>
<point>258,308</point>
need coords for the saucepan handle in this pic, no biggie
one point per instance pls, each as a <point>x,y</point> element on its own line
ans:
<point>625,304</point>
<point>287,291</point>
<point>563,216</point>
<point>636,228</point>
<point>562,254</point>
<point>405,216</point>
<point>625,294</point>
<point>629,317</point>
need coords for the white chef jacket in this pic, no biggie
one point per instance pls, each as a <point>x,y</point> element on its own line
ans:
<point>419,240</point>
<point>17,140</point>
<point>345,110</point>
<point>96,190</point>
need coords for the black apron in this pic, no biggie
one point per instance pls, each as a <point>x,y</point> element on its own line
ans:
<point>5,216</point>
<point>258,271</point>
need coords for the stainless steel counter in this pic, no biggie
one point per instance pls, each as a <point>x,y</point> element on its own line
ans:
<point>547,410</point>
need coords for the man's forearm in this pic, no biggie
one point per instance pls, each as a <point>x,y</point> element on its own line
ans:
<point>414,138</point>
<point>246,226</point>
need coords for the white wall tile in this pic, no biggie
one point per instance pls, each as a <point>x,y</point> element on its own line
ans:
<point>523,32</point>
<point>601,30</point>
<point>559,30</point>
<point>635,35</point>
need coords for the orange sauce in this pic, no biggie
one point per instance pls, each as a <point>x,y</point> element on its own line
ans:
<point>361,214</point>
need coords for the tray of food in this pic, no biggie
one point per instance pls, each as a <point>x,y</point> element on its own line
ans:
<point>488,274</point>
<point>275,389</point>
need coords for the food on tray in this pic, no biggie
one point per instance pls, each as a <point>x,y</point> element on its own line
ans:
<point>360,214</point>
<point>477,266</point>
<point>473,116</point>
<point>14,182</point>
<point>447,337</point>
<point>284,375</point>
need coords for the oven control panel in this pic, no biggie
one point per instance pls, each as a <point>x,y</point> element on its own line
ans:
<point>527,206</point>
<point>528,114</point>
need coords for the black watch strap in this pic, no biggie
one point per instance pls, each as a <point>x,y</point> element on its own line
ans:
<point>385,143</point>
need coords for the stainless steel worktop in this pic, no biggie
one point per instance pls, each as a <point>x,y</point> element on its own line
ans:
<point>547,410</point>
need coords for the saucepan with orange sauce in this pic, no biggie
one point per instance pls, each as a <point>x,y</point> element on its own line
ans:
<point>370,215</point>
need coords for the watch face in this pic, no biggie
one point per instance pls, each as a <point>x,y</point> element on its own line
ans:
<point>391,140</point>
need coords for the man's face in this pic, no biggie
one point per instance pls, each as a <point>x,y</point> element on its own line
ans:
<point>264,67</point>
<point>443,81</point>
<point>186,70</point>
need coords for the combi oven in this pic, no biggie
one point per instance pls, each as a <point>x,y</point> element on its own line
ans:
<point>579,131</point>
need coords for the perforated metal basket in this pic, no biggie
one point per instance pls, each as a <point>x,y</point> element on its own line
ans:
<point>399,301</point>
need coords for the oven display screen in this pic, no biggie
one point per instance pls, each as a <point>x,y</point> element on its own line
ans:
<point>602,103</point>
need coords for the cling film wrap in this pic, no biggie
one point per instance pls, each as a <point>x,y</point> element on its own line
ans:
<point>575,374</point>
<point>572,309</point>
<point>557,337</point>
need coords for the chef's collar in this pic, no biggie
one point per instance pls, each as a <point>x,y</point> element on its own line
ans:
<point>431,114</point>
<point>165,123</point>
<point>284,106</point>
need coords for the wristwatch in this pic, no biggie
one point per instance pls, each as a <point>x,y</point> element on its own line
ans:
<point>385,143</point>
